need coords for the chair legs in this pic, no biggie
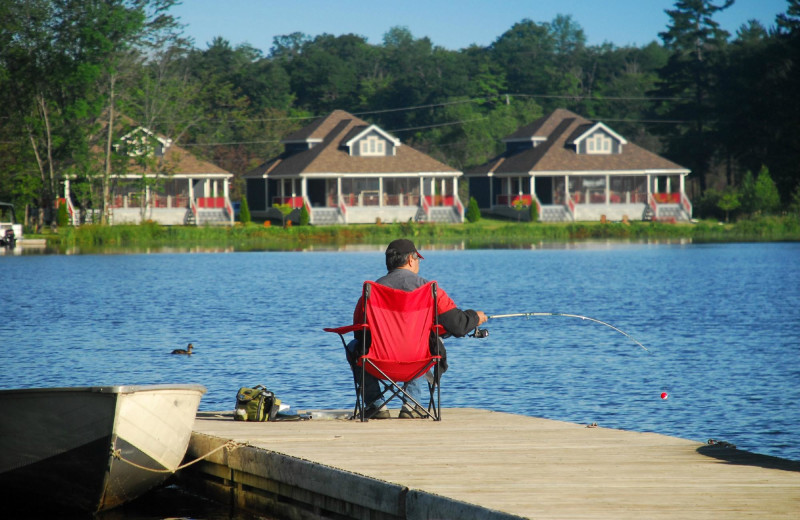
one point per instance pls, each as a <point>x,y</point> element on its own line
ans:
<point>389,390</point>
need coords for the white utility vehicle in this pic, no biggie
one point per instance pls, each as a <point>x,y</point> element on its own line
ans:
<point>10,230</point>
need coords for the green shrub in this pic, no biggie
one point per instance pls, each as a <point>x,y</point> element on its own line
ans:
<point>304,216</point>
<point>63,215</point>
<point>534,212</point>
<point>473,212</point>
<point>244,212</point>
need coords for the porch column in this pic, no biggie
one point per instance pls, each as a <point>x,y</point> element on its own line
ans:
<point>455,189</point>
<point>421,190</point>
<point>338,191</point>
<point>225,189</point>
<point>682,179</point>
<point>649,187</point>
<point>508,191</point>
<point>191,191</point>
<point>566,190</point>
<point>669,185</point>
<point>303,187</point>
<point>443,184</point>
<point>608,189</point>
<point>380,192</point>
<point>267,205</point>
<point>491,191</point>
<point>214,188</point>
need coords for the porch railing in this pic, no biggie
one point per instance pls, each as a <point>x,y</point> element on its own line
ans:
<point>440,200</point>
<point>460,209</point>
<point>687,205</point>
<point>509,200</point>
<point>651,201</point>
<point>307,204</point>
<point>295,202</point>
<point>73,215</point>
<point>212,203</point>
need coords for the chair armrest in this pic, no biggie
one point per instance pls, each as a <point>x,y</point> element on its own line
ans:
<point>348,328</point>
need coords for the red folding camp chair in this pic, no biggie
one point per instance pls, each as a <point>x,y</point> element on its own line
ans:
<point>398,329</point>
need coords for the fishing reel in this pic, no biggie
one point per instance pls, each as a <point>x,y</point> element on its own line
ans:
<point>479,333</point>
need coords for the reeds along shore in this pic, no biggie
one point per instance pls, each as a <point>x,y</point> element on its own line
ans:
<point>483,232</point>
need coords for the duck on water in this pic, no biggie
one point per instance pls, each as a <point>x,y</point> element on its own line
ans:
<point>187,350</point>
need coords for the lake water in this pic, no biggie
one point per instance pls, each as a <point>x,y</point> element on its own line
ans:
<point>721,323</point>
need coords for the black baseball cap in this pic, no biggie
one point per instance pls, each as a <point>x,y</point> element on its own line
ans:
<point>403,246</point>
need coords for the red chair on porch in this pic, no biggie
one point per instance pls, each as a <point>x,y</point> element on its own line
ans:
<point>398,329</point>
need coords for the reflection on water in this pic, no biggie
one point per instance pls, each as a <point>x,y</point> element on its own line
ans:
<point>40,248</point>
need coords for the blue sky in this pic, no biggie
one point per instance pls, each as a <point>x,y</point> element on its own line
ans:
<point>453,24</point>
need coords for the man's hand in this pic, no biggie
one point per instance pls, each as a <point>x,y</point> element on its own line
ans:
<point>482,318</point>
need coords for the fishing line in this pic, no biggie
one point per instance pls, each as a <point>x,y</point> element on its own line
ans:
<point>664,395</point>
<point>537,314</point>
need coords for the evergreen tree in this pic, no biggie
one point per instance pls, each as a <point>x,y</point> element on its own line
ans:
<point>304,216</point>
<point>244,212</point>
<point>690,79</point>
<point>473,212</point>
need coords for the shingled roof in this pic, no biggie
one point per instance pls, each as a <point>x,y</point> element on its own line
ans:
<point>329,155</point>
<point>556,132</point>
<point>176,161</point>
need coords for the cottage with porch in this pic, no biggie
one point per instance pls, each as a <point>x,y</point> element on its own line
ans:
<point>163,183</point>
<point>345,171</point>
<point>575,169</point>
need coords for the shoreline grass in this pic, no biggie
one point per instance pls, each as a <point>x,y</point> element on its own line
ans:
<point>486,232</point>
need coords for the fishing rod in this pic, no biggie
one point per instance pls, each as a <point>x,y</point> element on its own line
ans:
<point>566,315</point>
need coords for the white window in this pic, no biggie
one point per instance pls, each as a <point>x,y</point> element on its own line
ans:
<point>373,145</point>
<point>598,143</point>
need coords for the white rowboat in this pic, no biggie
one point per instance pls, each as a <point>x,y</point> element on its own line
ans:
<point>92,448</point>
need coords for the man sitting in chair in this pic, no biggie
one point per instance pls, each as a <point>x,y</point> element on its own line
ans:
<point>402,263</point>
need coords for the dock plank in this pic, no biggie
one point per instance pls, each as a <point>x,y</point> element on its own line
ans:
<point>538,468</point>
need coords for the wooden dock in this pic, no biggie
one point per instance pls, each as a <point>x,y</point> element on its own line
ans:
<point>483,465</point>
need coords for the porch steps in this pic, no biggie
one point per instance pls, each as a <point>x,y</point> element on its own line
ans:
<point>440,215</point>
<point>212,217</point>
<point>667,213</point>
<point>445,215</point>
<point>554,214</point>
<point>326,217</point>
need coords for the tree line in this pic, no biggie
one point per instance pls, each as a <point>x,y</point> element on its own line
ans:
<point>723,105</point>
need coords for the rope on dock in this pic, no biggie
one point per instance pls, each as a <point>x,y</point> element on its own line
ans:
<point>230,445</point>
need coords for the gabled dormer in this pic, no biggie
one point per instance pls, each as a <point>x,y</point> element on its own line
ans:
<point>299,145</point>
<point>371,141</point>
<point>597,139</point>
<point>517,144</point>
<point>141,141</point>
